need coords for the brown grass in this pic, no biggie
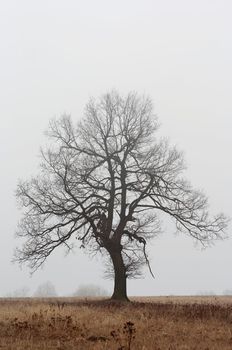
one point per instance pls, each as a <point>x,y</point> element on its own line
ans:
<point>147,323</point>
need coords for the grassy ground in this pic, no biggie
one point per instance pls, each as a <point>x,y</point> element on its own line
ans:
<point>147,323</point>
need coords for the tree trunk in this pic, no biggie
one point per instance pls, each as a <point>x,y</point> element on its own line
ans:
<point>120,279</point>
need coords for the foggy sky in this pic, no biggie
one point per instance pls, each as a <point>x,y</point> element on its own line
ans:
<point>55,54</point>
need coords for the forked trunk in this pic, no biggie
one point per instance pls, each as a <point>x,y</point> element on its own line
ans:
<point>120,279</point>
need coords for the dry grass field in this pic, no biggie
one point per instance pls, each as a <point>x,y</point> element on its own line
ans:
<point>165,323</point>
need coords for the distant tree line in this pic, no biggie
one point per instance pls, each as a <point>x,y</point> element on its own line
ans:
<point>48,290</point>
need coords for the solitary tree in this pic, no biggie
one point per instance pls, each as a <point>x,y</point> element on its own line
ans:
<point>104,182</point>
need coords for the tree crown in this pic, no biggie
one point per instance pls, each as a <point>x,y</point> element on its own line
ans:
<point>104,182</point>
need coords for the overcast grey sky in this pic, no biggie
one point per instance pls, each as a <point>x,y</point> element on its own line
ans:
<point>55,54</point>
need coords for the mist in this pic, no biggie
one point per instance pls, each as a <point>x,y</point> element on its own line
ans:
<point>55,55</point>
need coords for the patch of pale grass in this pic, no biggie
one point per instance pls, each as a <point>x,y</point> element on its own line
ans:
<point>146,323</point>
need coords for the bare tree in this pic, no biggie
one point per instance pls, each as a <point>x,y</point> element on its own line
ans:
<point>104,182</point>
<point>90,290</point>
<point>22,292</point>
<point>45,290</point>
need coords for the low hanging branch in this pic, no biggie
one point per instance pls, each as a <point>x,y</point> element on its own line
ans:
<point>141,240</point>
